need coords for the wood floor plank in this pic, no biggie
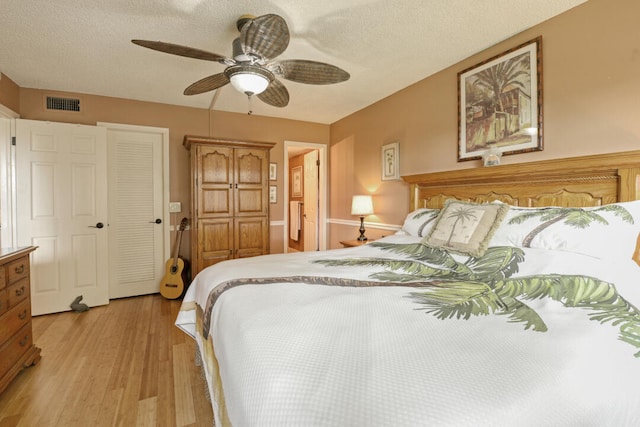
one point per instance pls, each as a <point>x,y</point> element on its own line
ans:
<point>122,364</point>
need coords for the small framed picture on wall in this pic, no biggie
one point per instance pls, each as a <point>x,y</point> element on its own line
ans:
<point>391,161</point>
<point>296,181</point>
<point>273,171</point>
<point>273,194</point>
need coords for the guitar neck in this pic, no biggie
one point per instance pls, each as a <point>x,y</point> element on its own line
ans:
<point>178,241</point>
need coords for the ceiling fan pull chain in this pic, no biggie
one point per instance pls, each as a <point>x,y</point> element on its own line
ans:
<point>249,102</point>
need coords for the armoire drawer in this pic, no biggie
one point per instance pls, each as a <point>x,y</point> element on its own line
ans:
<point>17,345</point>
<point>15,319</point>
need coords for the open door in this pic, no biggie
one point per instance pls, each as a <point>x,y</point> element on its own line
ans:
<point>311,201</point>
<point>315,209</point>
<point>61,199</point>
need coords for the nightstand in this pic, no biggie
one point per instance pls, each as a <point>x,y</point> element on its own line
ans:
<point>353,243</point>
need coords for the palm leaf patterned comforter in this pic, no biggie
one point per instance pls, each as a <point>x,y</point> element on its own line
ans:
<point>397,333</point>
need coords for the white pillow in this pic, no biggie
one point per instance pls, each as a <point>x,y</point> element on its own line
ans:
<point>607,232</point>
<point>419,222</point>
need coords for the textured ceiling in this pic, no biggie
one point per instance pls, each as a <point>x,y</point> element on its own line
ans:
<point>84,46</point>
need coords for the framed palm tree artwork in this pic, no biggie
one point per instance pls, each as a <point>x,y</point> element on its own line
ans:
<point>500,103</point>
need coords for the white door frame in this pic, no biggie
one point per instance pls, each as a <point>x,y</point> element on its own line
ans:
<point>322,191</point>
<point>165,173</point>
<point>7,190</point>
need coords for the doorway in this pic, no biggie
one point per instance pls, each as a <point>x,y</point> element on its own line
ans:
<point>305,190</point>
<point>62,176</point>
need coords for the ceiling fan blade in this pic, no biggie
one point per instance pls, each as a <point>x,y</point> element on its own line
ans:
<point>208,83</point>
<point>276,94</point>
<point>189,52</point>
<point>309,72</point>
<point>266,36</point>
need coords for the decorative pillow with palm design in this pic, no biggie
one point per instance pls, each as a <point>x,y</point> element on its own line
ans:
<point>419,222</point>
<point>466,227</point>
<point>607,232</point>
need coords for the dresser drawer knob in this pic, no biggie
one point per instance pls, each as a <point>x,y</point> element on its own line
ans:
<point>19,270</point>
<point>24,341</point>
<point>20,292</point>
<point>23,315</point>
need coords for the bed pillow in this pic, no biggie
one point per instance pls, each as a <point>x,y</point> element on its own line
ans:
<point>607,232</point>
<point>466,227</point>
<point>419,222</point>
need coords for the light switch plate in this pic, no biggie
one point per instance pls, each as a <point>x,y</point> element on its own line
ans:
<point>175,207</point>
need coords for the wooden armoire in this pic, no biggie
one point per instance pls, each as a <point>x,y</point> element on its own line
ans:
<point>230,199</point>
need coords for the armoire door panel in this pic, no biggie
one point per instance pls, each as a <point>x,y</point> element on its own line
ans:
<point>251,236</point>
<point>251,201</point>
<point>216,165</point>
<point>251,167</point>
<point>215,181</point>
<point>215,202</point>
<point>215,239</point>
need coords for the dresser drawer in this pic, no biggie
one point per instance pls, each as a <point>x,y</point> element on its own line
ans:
<point>3,279</point>
<point>18,291</point>
<point>17,345</point>
<point>14,319</point>
<point>4,302</point>
<point>18,269</point>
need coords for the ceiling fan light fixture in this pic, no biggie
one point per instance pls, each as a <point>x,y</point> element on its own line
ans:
<point>249,79</point>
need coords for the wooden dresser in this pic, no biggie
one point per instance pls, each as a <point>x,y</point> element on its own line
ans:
<point>16,340</point>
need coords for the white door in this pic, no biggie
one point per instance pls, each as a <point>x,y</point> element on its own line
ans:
<point>138,228</point>
<point>311,201</point>
<point>61,205</point>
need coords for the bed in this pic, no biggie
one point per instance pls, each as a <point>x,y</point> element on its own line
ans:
<point>509,297</point>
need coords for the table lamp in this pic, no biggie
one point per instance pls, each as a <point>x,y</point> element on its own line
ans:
<point>362,205</point>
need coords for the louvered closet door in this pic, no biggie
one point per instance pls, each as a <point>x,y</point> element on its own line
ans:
<point>136,245</point>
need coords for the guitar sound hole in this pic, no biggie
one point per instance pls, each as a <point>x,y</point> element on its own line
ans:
<point>174,270</point>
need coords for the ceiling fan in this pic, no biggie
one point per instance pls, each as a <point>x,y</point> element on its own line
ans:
<point>252,69</point>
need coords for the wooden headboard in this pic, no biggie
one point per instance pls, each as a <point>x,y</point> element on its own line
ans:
<point>577,181</point>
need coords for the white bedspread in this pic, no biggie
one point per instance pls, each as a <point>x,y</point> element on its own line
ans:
<point>306,354</point>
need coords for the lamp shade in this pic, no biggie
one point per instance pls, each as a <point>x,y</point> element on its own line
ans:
<point>362,205</point>
<point>253,84</point>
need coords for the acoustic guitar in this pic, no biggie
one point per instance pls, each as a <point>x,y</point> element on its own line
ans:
<point>177,271</point>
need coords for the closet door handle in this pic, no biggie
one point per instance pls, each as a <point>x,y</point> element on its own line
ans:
<point>157,221</point>
<point>98,225</point>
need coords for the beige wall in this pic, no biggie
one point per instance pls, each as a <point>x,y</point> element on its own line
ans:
<point>9,93</point>
<point>591,104</point>
<point>183,121</point>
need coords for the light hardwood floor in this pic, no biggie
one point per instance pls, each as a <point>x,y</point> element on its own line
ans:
<point>123,364</point>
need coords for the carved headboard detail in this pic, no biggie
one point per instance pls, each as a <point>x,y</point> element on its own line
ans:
<point>576,181</point>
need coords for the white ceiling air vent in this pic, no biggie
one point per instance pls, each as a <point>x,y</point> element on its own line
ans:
<point>63,104</point>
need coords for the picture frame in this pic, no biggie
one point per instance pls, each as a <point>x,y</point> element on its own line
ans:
<point>273,171</point>
<point>273,194</point>
<point>510,121</point>
<point>296,181</point>
<point>391,161</point>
